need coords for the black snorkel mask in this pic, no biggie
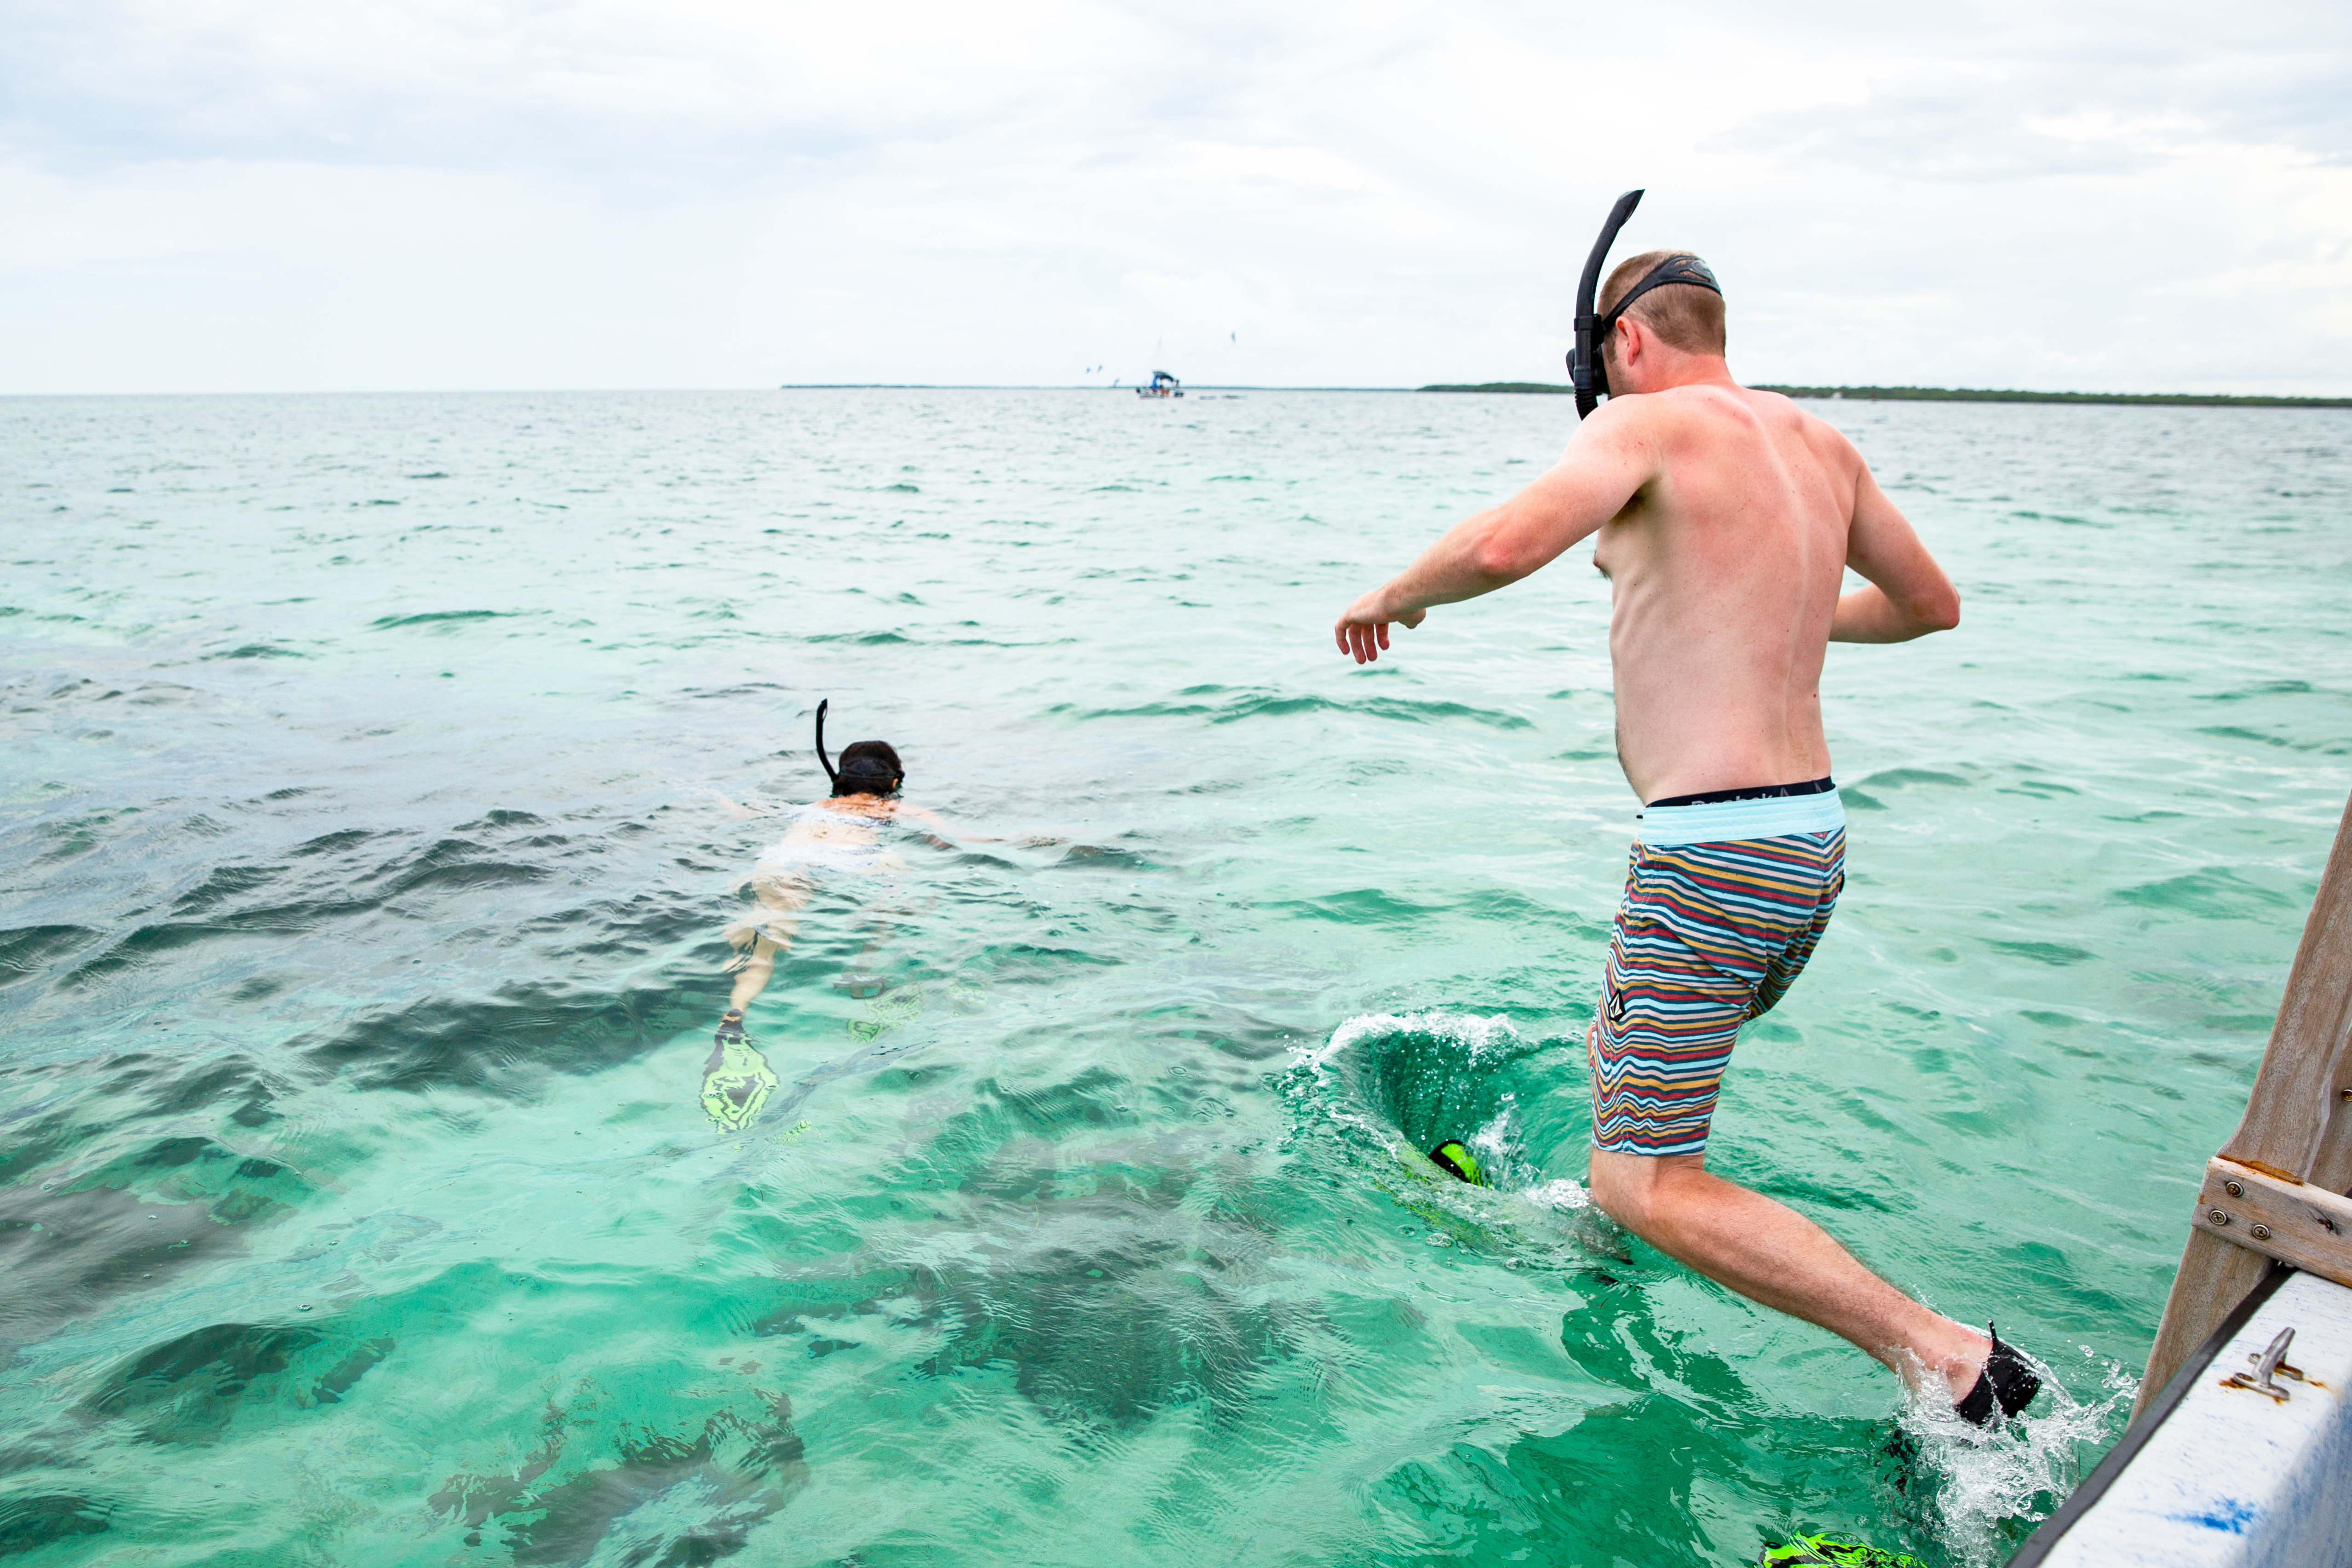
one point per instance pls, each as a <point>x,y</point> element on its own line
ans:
<point>1585,368</point>
<point>864,775</point>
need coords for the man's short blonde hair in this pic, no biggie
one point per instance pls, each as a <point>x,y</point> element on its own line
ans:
<point>1683,314</point>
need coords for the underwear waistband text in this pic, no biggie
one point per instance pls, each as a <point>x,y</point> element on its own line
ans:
<point>1729,821</point>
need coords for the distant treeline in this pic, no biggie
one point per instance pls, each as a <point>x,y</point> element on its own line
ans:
<point>1967,394</point>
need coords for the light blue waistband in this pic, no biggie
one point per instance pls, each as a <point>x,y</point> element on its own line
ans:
<point>1727,821</point>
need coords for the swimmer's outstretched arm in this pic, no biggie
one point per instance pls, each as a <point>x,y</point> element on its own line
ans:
<point>1611,457</point>
<point>738,811</point>
<point>939,831</point>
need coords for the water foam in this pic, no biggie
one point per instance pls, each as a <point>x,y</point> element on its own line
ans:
<point>1982,1479</point>
<point>1562,1195</point>
<point>1478,1036</point>
<point>1501,1143</point>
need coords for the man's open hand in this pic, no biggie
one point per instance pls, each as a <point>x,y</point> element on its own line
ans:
<point>1363,630</point>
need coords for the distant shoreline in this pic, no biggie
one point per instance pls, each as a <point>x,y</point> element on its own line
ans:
<point>1962,394</point>
<point>1114,386</point>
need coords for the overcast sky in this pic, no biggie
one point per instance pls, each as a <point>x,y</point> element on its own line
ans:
<point>292,195</point>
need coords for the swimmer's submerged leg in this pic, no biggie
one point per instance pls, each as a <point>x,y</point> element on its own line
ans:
<point>757,940</point>
<point>752,968</point>
<point>736,1080</point>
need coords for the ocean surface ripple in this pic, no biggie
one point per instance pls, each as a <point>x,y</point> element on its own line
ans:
<point>383,770</point>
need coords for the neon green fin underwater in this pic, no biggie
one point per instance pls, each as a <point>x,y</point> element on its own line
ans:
<point>1452,1158</point>
<point>1822,1552</point>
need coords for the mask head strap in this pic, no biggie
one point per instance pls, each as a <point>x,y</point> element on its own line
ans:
<point>868,776</point>
<point>1677,268</point>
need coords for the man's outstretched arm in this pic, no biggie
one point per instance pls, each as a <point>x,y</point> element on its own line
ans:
<point>1603,467</point>
<point>1909,596</point>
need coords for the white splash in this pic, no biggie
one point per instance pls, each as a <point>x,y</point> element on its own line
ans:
<point>1477,1035</point>
<point>1500,1144</point>
<point>1987,1478</point>
<point>1561,1196</point>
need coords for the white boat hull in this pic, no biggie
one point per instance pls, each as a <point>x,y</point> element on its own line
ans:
<point>2219,1473</point>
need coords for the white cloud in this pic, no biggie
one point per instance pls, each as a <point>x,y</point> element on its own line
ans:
<point>261,194</point>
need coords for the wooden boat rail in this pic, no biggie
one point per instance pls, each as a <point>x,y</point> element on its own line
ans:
<point>2276,1188</point>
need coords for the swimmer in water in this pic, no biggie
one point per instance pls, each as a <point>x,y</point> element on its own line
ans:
<point>838,836</point>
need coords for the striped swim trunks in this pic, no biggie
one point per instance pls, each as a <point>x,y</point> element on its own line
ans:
<point>1723,902</point>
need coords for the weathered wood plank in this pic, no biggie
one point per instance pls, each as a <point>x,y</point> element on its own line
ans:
<point>2294,1222</point>
<point>2297,1123</point>
<point>2214,1277</point>
<point>2293,1120</point>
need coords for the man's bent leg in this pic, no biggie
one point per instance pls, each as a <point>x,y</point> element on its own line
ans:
<point>1707,937</point>
<point>1771,1253</point>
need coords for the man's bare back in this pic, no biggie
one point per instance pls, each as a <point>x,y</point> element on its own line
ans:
<point>1727,520</point>
<point>1724,569</point>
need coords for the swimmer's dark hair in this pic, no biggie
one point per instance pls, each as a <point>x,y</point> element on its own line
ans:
<point>868,767</point>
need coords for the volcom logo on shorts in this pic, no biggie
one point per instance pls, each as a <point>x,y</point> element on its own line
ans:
<point>1616,1006</point>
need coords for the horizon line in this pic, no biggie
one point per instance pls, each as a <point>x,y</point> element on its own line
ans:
<point>1823,394</point>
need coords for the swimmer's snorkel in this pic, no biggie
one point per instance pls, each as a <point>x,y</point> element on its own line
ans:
<point>1586,366</point>
<point>831,777</point>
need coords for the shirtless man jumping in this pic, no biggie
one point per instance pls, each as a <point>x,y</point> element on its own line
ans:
<point>1727,519</point>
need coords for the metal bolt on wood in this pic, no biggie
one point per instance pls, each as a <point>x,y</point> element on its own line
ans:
<point>2234,1188</point>
<point>2219,1217</point>
<point>2260,1232</point>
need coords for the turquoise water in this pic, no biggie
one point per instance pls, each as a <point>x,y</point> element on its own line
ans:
<point>367,862</point>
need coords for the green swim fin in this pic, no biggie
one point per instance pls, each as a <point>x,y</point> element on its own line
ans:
<point>1824,1552</point>
<point>1454,1159</point>
<point>898,1005</point>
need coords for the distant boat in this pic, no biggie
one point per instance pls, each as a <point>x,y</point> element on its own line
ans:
<point>1162,385</point>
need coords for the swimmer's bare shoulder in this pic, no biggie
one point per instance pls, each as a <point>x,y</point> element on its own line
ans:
<point>830,821</point>
<point>890,808</point>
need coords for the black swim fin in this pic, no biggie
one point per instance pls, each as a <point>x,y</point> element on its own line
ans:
<point>2005,1381</point>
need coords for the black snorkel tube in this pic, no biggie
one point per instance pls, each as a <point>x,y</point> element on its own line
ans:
<point>832,779</point>
<point>1584,366</point>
